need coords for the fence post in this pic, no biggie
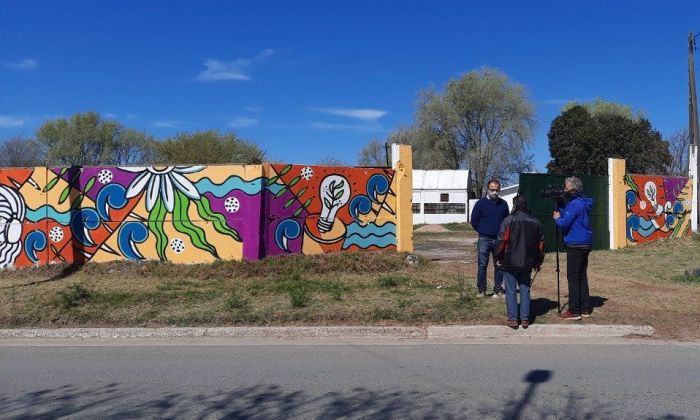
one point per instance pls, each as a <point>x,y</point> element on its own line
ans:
<point>617,210</point>
<point>402,162</point>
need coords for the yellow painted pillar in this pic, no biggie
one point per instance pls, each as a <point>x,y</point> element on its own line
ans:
<point>402,162</point>
<point>617,210</point>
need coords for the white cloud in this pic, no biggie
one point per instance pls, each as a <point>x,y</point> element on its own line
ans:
<point>26,64</point>
<point>320,125</point>
<point>110,115</point>
<point>166,124</point>
<point>7,121</point>
<point>253,108</point>
<point>366,114</point>
<point>240,122</point>
<point>217,70</point>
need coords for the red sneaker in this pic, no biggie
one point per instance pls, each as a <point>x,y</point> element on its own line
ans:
<point>568,316</point>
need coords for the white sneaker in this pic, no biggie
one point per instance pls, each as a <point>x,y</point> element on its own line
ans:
<point>480,294</point>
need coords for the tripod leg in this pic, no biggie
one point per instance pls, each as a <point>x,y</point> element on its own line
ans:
<point>556,233</point>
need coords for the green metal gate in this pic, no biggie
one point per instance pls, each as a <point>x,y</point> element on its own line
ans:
<point>595,187</point>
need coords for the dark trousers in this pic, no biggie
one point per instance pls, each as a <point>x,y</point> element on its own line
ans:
<point>576,266</point>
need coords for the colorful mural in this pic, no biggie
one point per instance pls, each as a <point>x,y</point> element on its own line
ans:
<point>657,207</point>
<point>188,214</point>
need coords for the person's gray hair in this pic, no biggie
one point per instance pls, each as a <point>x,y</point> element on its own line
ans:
<point>575,183</point>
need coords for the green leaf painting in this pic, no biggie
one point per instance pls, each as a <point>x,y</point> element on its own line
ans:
<point>183,224</point>
<point>156,221</point>
<point>218,220</point>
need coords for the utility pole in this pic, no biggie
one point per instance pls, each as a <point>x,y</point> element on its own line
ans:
<point>694,131</point>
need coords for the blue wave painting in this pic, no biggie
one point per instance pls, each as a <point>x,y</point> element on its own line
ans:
<point>235,183</point>
<point>47,211</point>
<point>371,234</point>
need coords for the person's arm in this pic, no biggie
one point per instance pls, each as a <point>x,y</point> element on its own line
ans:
<point>502,241</point>
<point>476,215</point>
<point>567,216</point>
<point>540,258</point>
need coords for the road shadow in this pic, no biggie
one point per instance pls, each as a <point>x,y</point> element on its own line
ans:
<point>272,401</point>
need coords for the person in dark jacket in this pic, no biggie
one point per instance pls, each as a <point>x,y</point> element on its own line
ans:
<point>486,219</point>
<point>575,220</point>
<point>520,249</point>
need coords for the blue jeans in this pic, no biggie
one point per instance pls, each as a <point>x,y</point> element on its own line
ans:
<point>486,247</point>
<point>518,280</point>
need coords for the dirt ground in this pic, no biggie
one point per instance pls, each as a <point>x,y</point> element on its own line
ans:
<point>637,285</point>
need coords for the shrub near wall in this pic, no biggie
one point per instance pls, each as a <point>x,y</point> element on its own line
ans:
<point>188,214</point>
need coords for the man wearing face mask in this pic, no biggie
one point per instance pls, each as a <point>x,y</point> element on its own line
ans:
<point>486,219</point>
<point>574,219</point>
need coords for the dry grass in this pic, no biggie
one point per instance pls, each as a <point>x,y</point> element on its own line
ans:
<point>641,285</point>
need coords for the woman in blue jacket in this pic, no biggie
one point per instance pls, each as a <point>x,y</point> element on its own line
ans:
<point>574,219</point>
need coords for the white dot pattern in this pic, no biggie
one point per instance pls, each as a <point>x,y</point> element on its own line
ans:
<point>56,234</point>
<point>105,176</point>
<point>307,173</point>
<point>232,205</point>
<point>178,245</point>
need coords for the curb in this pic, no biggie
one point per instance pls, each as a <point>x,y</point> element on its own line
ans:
<point>430,332</point>
<point>550,330</point>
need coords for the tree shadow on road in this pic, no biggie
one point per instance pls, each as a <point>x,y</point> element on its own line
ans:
<point>272,401</point>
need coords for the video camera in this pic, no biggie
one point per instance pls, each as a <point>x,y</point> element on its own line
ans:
<point>552,191</point>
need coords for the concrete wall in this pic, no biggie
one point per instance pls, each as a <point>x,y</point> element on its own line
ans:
<point>193,214</point>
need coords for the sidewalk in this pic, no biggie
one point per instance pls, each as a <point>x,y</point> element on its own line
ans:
<point>397,332</point>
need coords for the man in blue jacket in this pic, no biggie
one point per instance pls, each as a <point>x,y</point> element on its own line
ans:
<point>575,221</point>
<point>486,219</point>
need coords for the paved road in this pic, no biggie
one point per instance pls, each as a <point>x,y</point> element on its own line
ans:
<point>310,380</point>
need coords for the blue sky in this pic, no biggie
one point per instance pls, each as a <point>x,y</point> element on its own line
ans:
<point>312,79</point>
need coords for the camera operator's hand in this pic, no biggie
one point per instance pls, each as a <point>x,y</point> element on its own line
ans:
<point>556,215</point>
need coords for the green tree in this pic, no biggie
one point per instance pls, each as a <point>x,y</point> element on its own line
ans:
<point>82,140</point>
<point>21,152</point>
<point>581,143</point>
<point>207,147</point>
<point>599,108</point>
<point>85,139</point>
<point>482,121</point>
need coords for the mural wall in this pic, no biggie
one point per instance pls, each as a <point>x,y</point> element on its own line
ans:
<point>188,214</point>
<point>657,207</point>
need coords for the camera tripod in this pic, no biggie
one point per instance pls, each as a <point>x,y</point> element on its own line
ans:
<point>556,234</point>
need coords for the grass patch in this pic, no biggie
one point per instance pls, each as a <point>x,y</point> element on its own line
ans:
<point>73,296</point>
<point>237,302</point>
<point>458,227</point>
<point>387,282</point>
<point>299,296</point>
<point>687,278</point>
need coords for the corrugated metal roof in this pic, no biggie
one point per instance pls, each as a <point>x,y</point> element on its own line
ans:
<point>440,180</point>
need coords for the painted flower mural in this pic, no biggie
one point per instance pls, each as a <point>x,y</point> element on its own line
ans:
<point>161,182</point>
<point>12,213</point>
<point>168,191</point>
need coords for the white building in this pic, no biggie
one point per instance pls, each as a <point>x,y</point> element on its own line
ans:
<point>440,196</point>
